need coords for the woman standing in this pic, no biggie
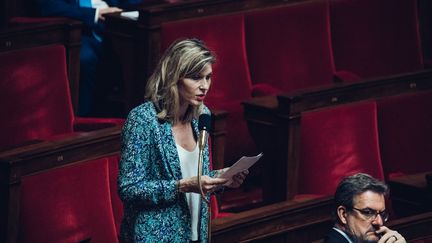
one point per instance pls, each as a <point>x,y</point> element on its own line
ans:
<point>157,181</point>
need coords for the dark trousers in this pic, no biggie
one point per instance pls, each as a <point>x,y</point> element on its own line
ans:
<point>90,55</point>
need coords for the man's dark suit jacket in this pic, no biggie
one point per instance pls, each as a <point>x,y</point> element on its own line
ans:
<point>334,237</point>
<point>72,9</point>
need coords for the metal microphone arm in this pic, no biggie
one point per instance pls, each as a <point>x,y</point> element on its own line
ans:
<point>202,141</point>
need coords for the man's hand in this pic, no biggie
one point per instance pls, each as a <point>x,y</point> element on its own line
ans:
<point>390,236</point>
<point>103,11</point>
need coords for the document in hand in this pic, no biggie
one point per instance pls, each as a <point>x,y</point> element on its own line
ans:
<point>242,164</point>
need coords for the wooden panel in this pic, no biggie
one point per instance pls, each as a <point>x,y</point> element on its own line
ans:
<point>279,222</point>
<point>410,194</point>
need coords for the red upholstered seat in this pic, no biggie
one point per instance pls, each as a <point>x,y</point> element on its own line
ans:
<point>289,48</point>
<point>375,38</point>
<point>231,82</point>
<point>35,99</point>
<point>336,142</point>
<point>68,204</point>
<point>117,204</point>
<point>405,129</point>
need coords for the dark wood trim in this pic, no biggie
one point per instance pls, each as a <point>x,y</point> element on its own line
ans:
<point>284,218</point>
<point>415,227</point>
<point>218,135</point>
<point>294,103</point>
<point>410,194</point>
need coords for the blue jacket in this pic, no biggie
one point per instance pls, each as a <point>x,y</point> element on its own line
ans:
<point>149,167</point>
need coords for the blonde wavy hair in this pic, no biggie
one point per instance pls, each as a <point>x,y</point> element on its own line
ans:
<point>184,58</point>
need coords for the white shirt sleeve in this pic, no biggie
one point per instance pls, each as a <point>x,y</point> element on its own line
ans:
<point>98,4</point>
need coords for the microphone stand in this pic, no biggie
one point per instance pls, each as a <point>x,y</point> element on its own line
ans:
<point>200,165</point>
<point>204,125</point>
<point>203,139</point>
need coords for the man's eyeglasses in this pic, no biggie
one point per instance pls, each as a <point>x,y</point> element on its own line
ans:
<point>371,215</point>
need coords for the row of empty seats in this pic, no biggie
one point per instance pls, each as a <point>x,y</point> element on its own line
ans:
<point>385,137</point>
<point>297,46</point>
<point>36,90</point>
<point>75,176</point>
<point>58,172</point>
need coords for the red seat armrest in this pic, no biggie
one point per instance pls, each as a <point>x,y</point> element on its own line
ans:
<point>346,76</point>
<point>263,89</point>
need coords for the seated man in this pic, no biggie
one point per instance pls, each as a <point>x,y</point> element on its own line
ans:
<point>360,212</point>
<point>91,13</point>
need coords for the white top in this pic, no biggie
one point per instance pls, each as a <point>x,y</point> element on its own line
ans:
<point>189,168</point>
<point>97,4</point>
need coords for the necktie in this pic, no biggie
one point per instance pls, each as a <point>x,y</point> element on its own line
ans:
<point>85,3</point>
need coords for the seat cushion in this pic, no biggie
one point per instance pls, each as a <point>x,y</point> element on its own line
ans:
<point>337,142</point>
<point>67,204</point>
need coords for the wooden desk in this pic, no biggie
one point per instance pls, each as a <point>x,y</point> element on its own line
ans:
<point>289,221</point>
<point>410,194</point>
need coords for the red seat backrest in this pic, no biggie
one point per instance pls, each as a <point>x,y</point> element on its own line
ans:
<point>231,84</point>
<point>224,35</point>
<point>337,142</point>
<point>34,95</point>
<point>405,128</point>
<point>68,204</point>
<point>375,38</point>
<point>289,47</point>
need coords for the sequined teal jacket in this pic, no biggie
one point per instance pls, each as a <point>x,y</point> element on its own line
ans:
<point>149,167</point>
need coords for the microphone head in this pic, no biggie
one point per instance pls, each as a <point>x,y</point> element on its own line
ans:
<point>204,122</point>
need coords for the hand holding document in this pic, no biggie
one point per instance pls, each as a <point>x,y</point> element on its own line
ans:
<point>242,164</point>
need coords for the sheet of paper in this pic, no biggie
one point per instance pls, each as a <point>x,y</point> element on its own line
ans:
<point>131,14</point>
<point>242,164</point>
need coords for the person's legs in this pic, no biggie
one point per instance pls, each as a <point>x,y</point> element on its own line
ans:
<point>89,57</point>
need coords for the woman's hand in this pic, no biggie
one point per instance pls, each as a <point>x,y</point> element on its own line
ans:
<point>208,184</point>
<point>238,179</point>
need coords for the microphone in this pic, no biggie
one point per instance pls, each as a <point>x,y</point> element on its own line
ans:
<point>204,126</point>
